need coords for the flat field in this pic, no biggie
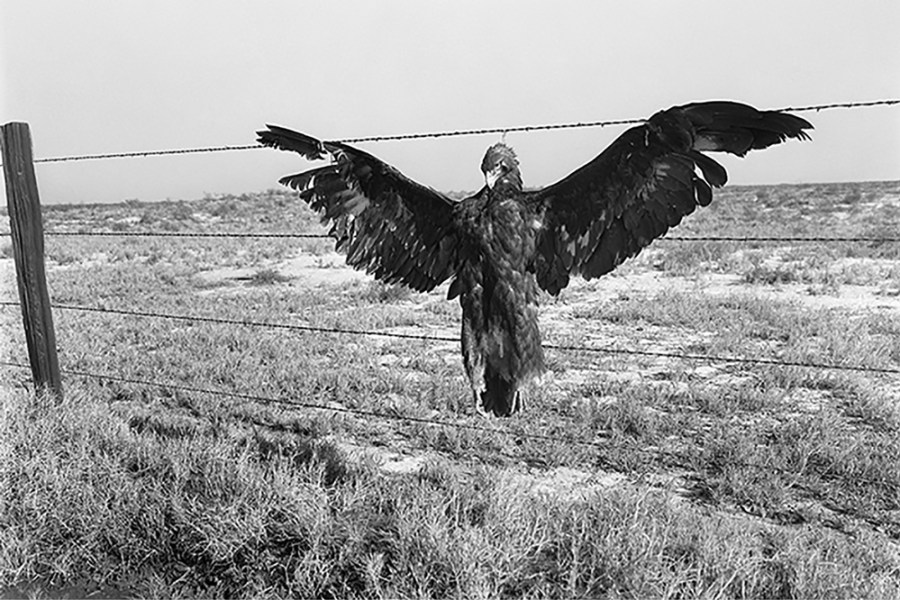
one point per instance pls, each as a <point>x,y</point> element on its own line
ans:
<point>677,448</point>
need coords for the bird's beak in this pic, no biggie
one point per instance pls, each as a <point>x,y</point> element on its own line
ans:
<point>491,177</point>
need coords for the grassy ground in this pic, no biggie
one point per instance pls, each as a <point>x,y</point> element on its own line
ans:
<point>628,475</point>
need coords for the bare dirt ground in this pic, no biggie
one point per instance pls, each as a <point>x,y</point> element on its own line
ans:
<point>307,270</point>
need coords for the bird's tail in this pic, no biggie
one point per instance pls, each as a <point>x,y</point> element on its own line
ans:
<point>501,395</point>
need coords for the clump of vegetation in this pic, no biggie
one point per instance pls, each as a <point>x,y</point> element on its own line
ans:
<point>385,293</point>
<point>769,275</point>
<point>268,276</point>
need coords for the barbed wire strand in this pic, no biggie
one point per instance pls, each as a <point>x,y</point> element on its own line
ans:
<point>820,107</point>
<point>815,239</point>
<point>267,400</point>
<point>310,405</point>
<point>273,235</point>
<point>435,338</point>
<point>443,134</point>
<point>187,234</point>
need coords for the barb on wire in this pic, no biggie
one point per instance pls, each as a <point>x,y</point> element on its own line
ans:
<point>436,338</point>
<point>442,134</point>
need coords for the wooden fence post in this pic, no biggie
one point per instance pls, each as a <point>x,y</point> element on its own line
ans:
<point>28,250</point>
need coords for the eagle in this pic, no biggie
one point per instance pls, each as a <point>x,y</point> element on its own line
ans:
<point>501,245</point>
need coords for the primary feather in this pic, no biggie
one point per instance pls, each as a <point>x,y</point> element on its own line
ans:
<point>499,245</point>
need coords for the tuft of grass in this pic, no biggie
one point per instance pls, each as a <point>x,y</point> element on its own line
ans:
<point>386,293</point>
<point>268,276</point>
<point>687,258</point>
<point>766,275</point>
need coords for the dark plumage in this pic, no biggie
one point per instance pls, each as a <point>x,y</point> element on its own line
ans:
<point>498,246</point>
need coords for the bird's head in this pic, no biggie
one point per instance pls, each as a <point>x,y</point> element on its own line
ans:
<point>501,168</point>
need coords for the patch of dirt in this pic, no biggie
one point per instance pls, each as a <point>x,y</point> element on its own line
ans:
<point>848,297</point>
<point>388,461</point>
<point>564,483</point>
<point>96,259</point>
<point>305,270</point>
<point>331,269</point>
<point>806,401</point>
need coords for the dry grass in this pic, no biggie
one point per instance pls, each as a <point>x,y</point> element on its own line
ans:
<point>97,498</point>
<point>628,476</point>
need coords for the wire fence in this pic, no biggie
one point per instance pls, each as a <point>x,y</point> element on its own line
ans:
<point>582,349</point>
<point>295,404</point>
<point>394,416</point>
<point>435,338</point>
<point>443,134</point>
<point>652,452</point>
<point>278,235</point>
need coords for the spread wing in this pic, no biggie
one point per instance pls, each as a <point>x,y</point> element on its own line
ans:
<point>394,228</point>
<point>644,183</point>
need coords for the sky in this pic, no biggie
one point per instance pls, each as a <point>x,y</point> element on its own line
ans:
<point>117,76</point>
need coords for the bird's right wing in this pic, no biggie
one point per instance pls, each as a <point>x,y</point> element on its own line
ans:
<point>645,182</point>
<point>389,225</point>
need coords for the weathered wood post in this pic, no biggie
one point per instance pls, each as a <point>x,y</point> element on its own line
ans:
<point>28,250</point>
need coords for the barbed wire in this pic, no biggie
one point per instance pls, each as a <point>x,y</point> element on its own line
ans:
<point>810,239</point>
<point>491,130</point>
<point>820,107</point>
<point>274,235</point>
<point>443,134</point>
<point>290,404</point>
<point>201,150</point>
<point>395,416</point>
<point>187,234</point>
<point>438,338</point>
<point>310,405</point>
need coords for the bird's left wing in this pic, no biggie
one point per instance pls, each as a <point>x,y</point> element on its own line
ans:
<point>394,228</point>
<point>646,181</point>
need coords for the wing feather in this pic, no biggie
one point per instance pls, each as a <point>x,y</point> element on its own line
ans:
<point>390,226</point>
<point>649,179</point>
